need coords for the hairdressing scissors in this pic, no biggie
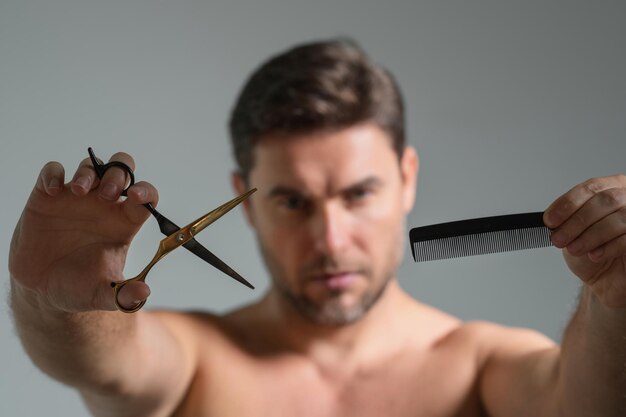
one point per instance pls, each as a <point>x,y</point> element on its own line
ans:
<point>175,236</point>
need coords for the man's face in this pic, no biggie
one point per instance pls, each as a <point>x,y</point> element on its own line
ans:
<point>329,217</point>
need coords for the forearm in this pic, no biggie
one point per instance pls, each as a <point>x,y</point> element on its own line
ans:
<point>593,361</point>
<point>90,350</point>
<point>123,364</point>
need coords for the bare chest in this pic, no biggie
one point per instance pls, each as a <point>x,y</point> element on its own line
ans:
<point>439,385</point>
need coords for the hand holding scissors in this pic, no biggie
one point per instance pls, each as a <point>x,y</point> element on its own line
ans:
<point>176,236</point>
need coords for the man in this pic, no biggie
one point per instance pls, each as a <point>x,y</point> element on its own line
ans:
<point>319,130</point>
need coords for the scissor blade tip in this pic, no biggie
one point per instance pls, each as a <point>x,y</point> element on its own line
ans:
<point>242,280</point>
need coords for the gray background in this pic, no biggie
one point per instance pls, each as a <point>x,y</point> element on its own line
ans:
<point>509,104</point>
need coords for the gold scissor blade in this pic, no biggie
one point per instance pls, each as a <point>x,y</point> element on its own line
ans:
<point>186,233</point>
<point>201,223</point>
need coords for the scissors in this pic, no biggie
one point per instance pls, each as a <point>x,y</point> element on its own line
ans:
<point>175,236</point>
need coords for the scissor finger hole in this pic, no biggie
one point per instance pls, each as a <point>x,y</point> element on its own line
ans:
<point>132,309</point>
<point>135,294</point>
<point>101,168</point>
<point>130,176</point>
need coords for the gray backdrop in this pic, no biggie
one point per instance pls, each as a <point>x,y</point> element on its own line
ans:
<point>509,105</point>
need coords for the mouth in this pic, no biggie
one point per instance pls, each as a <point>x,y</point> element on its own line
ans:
<point>336,280</point>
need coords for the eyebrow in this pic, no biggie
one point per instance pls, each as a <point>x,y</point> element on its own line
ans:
<point>368,182</point>
<point>283,190</point>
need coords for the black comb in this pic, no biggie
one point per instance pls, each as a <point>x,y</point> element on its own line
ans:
<point>479,236</point>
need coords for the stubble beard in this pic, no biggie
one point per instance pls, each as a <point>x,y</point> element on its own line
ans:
<point>331,311</point>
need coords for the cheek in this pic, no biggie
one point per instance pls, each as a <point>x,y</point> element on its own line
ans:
<point>282,244</point>
<point>383,215</point>
<point>380,228</point>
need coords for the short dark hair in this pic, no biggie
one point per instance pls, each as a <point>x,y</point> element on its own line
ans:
<point>326,85</point>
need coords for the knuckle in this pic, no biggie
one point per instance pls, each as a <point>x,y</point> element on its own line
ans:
<point>592,186</point>
<point>613,197</point>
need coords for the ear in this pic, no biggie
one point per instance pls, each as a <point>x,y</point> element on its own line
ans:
<point>409,168</point>
<point>240,186</point>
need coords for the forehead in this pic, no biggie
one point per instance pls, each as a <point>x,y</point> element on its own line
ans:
<point>324,158</point>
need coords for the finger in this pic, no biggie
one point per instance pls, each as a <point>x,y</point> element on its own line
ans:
<point>614,249</point>
<point>139,194</point>
<point>569,203</point>
<point>85,178</point>
<point>116,178</point>
<point>599,234</point>
<point>133,293</point>
<point>593,210</point>
<point>51,178</point>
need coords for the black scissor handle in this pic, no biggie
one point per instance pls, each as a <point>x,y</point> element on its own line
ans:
<point>101,168</point>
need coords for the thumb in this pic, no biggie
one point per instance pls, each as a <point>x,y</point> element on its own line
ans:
<point>132,294</point>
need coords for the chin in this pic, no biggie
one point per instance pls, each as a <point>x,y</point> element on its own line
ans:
<point>337,309</point>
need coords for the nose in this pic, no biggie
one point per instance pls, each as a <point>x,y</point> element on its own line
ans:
<point>330,228</point>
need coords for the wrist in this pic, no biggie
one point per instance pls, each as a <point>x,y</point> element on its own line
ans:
<point>599,313</point>
<point>35,307</point>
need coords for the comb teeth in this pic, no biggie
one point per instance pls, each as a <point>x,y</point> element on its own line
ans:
<point>481,244</point>
<point>479,236</point>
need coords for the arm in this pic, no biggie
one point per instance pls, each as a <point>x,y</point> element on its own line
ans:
<point>70,243</point>
<point>587,376</point>
<point>590,225</point>
<point>593,362</point>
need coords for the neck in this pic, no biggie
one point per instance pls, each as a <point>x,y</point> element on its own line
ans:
<point>336,344</point>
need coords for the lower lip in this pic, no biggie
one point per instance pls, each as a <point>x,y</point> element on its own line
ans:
<point>338,282</point>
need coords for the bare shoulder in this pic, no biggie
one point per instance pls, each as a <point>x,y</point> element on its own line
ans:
<point>484,337</point>
<point>494,346</point>
<point>488,329</point>
<point>190,331</point>
<point>191,327</point>
<point>492,338</point>
<point>202,330</point>
<point>517,368</point>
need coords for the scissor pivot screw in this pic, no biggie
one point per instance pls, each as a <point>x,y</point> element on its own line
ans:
<point>180,237</point>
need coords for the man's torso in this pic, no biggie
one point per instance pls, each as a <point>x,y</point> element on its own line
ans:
<point>237,376</point>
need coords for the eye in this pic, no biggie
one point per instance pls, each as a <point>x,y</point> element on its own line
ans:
<point>357,194</point>
<point>293,202</point>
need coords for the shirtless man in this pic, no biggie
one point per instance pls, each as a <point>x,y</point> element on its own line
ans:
<point>319,131</point>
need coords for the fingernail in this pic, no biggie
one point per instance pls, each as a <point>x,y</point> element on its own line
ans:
<point>109,191</point>
<point>53,186</point>
<point>83,182</point>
